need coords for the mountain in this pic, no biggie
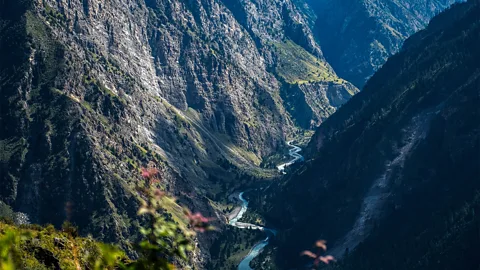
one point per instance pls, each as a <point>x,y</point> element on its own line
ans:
<point>357,37</point>
<point>208,91</point>
<point>392,179</point>
<point>91,91</point>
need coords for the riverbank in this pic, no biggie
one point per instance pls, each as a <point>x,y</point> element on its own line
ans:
<point>232,246</point>
<point>255,251</point>
<point>236,215</point>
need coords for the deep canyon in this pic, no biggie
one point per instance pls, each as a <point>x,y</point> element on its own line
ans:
<point>353,121</point>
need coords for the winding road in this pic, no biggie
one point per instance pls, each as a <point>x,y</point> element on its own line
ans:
<point>255,251</point>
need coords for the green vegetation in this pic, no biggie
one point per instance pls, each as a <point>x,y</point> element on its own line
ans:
<point>250,156</point>
<point>165,241</point>
<point>6,213</point>
<point>10,147</point>
<point>273,160</point>
<point>253,217</point>
<point>53,16</point>
<point>48,52</point>
<point>232,246</point>
<point>297,66</point>
<point>110,65</point>
<point>98,86</point>
<point>36,247</point>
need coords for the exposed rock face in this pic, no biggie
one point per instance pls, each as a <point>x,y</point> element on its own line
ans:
<point>392,178</point>
<point>357,37</point>
<point>282,32</point>
<point>306,102</point>
<point>92,90</point>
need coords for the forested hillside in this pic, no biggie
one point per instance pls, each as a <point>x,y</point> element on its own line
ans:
<point>393,177</point>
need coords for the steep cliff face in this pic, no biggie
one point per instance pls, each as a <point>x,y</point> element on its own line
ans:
<point>393,176</point>
<point>70,138</point>
<point>357,37</point>
<point>271,21</point>
<point>93,90</point>
<point>282,32</point>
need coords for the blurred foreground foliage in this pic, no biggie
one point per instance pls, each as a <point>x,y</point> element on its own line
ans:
<point>163,245</point>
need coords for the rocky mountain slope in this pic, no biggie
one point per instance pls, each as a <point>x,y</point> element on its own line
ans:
<point>392,180</point>
<point>357,37</point>
<point>90,91</point>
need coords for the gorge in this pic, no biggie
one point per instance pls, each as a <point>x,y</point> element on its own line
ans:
<point>255,251</point>
<point>353,121</point>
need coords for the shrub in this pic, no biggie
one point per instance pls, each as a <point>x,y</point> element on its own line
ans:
<point>69,229</point>
<point>164,241</point>
<point>6,212</point>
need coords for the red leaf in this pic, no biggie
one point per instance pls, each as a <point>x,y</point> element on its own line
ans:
<point>326,259</point>
<point>322,244</point>
<point>309,254</point>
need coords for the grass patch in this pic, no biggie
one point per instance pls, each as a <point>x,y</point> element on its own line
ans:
<point>297,66</point>
<point>46,248</point>
<point>176,211</point>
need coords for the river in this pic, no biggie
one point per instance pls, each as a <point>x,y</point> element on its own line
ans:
<point>255,251</point>
<point>294,153</point>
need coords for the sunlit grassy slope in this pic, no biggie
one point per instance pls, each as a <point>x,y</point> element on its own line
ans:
<point>297,66</point>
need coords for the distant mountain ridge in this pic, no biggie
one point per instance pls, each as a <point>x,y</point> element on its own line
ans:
<point>357,36</point>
